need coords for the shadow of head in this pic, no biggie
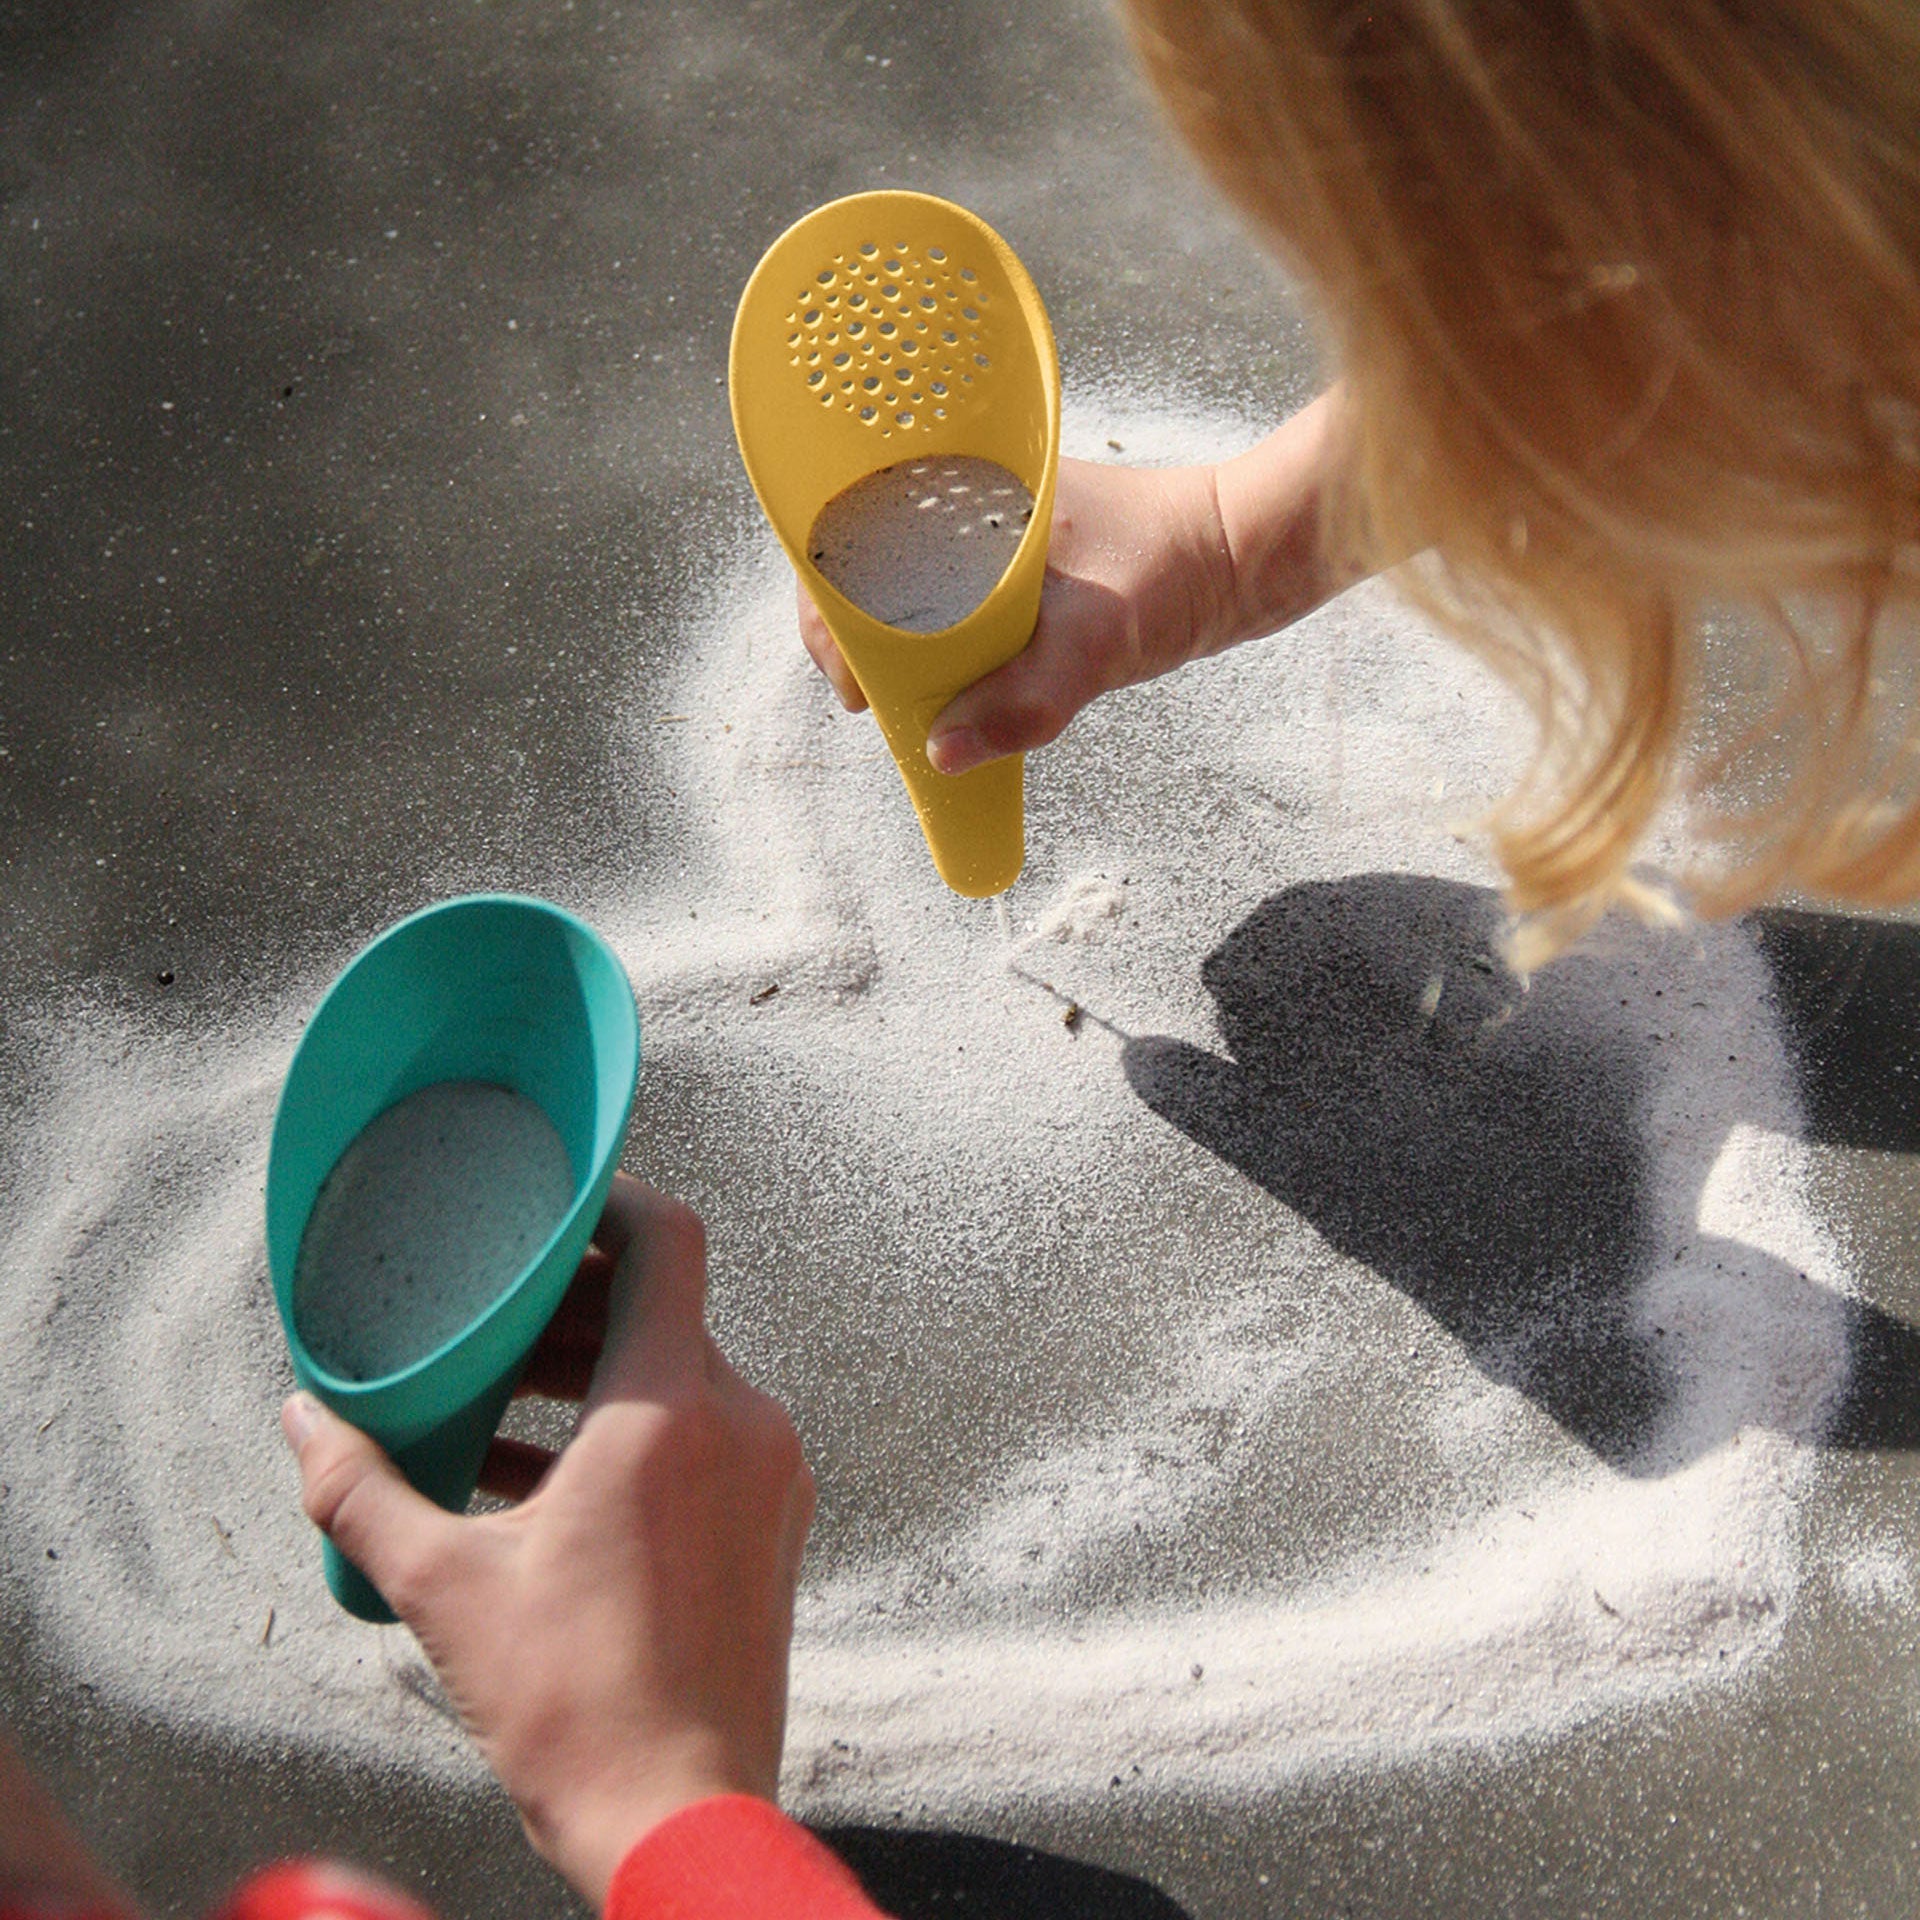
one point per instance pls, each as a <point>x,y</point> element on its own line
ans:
<point>1473,1143</point>
<point>912,1874</point>
<point>1479,1145</point>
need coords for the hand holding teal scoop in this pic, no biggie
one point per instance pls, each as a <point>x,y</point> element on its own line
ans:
<point>492,991</point>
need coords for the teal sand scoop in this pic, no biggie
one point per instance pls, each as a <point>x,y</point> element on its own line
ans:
<point>495,989</point>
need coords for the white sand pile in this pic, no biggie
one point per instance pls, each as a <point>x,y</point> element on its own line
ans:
<point>1184,1394</point>
<point>922,543</point>
<point>433,1210</point>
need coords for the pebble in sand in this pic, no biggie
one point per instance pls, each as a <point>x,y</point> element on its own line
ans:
<point>436,1206</point>
<point>922,543</point>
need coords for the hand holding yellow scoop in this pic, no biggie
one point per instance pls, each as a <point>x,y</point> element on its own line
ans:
<point>892,328</point>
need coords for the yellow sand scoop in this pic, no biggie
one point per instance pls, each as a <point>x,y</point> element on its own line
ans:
<point>884,328</point>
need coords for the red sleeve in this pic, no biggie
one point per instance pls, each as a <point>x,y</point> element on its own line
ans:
<point>319,1890</point>
<point>734,1858</point>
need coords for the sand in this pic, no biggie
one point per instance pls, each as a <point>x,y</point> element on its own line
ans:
<point>432,1211</point>
<point>1137,1446</point>
<point>921,544</point>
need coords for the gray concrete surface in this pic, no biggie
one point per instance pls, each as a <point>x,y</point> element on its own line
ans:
<point>362,421</point>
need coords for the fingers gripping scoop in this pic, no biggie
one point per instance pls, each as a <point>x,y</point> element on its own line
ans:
<point>897,331</point>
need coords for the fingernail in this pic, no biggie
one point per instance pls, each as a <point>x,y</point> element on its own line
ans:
<point>298,1418</point>
<point>959,750</point>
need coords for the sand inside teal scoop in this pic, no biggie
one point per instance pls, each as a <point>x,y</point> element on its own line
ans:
<point>435,1208</point>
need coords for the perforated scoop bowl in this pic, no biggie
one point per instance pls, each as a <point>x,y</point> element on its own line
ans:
<point>889,327</point>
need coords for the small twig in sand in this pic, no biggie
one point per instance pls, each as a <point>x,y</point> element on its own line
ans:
<point>1066,1000</point>
<point>266,1632</point>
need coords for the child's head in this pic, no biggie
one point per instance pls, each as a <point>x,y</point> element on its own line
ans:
<point>1627,297</point>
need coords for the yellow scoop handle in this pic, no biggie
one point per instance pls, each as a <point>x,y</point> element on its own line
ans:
<point>887,327</point>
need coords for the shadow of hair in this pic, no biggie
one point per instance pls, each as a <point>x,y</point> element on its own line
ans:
<point>1847,991</point>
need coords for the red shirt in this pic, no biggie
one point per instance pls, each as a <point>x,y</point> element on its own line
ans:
<point>730,1858</point>
<point>734,1858</point>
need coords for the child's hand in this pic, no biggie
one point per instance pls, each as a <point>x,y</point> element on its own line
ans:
<point>1135,576</point>
<point>617,1644</point>
<point>1147,569</point>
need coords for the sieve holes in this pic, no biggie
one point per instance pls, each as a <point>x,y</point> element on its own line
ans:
<point>855,315</point>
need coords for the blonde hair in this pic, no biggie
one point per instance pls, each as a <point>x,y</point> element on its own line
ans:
<point>1626,297</point>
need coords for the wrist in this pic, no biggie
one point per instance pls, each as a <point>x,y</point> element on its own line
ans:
<point>1272,509</point>
<point>585,1838</point>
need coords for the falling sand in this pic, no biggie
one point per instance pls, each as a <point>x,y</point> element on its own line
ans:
<point>921,544</point>
<point>433,1210</point>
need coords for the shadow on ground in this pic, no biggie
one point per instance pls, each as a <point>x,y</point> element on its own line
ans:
<point>1848,993</point>
<point>913,1874</point>
<point>1479,1147</point>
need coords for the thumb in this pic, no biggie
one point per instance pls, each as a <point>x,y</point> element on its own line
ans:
<point>1020,705</point>
<point>359,1499</point>
<point>1028,702</point>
